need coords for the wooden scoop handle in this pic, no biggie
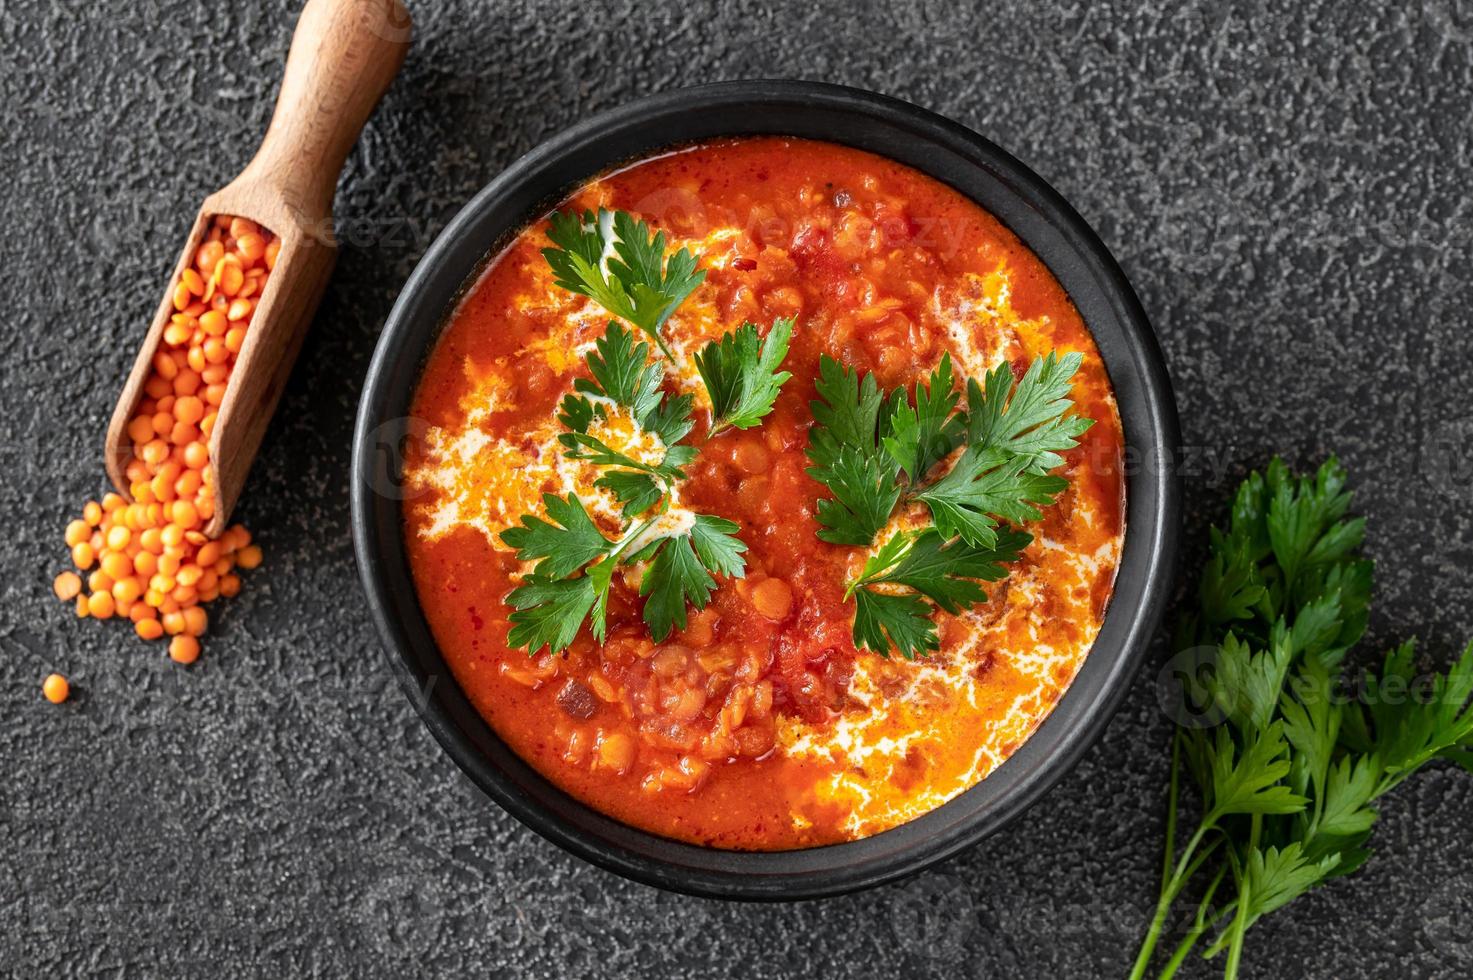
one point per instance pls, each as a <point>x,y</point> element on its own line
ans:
<point>343,57</point>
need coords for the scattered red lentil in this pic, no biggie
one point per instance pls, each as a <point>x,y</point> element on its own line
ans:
<point>68,586</point>
<point>154,565</point>
<point>184,649</point>
<point>56,688</point>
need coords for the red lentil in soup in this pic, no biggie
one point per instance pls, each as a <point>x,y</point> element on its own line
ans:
<point>760,726</point>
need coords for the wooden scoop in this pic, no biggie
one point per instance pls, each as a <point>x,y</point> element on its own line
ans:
<point>343,56</point>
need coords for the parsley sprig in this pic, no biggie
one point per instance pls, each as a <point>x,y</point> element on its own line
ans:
<point>613,259</point>
<point>742,374</point>
<point>623,376</point>
<point>575,568</point>
<point>1289,774</point>
<point>575,560</point>
<point>876,451</point>
<point>945,572</point>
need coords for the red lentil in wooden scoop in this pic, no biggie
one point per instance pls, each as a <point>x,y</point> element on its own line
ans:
<point>149,560</point>
<point>217,355</point>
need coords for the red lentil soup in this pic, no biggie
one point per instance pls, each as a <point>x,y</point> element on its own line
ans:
<point>759,726</point>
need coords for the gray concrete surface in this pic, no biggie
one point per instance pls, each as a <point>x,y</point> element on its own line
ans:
<point>1287,186</point>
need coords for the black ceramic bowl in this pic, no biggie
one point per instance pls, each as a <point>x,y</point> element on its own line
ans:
<point>881,125</point>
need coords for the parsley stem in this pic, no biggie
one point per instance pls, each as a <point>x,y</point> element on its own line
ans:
<point>1171,802</point>
<point>633,536</point>
<point>1148,946</point>
<point>1238,928</point>
<point>1186,866</point>
<point>1202,923</point>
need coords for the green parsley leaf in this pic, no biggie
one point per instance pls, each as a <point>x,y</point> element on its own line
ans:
<point>1289,776</point>
<point>1248,782</point>
<point>741,374</point>
<point>580,445</point>
<point>1311,724</point>
<point>945,572</point>
<point>717,545</point>
<point>623,374</point>
<point>847,414</point>
<point>1015,433</point>
<point>923,435</point>
<point>942,571</point>
<point>681,571</point>
<point>638,492</point>
<point>1346,817</point>
<point>562,547</point>
<point>882,620</point>
<point>986,484</point>
<point>1245,583</point>
<point>671,421</point>
<point>864,493</point>
<point>1032,422</point>
<point>615,261</point>
<point>551,606</point>
<point>1231,587</point>
<point>681,568</point>
<point>883,561</point>
<point>1275,876</point>
<point>874,451</point>
<point>1410,717</point>
<point>844,445</point>
<point>612,259</point>
<point>549,612</point>
<point>674,577</point>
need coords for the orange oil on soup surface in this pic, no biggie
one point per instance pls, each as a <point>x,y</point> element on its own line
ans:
<point>760,726</point>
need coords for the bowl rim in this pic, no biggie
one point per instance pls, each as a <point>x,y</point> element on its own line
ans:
<point>888,127</point>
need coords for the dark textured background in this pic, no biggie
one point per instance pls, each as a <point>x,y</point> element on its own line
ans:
<point>1288,190</point>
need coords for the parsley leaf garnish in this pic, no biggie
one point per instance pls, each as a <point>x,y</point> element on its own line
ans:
<point>1012,443</point>
<point>612,258</point>
<point>923,435</point>
<point>580,445</point>
<point>717,545</point>
<point>876,451</point>
<point>946,572</point>
<point>847,414</point>
<point>679,572</point>
<point>623,375</point>
<point>675,576</point>
<point>563,589</point>
<point>562,547</point>
<point>574,560</point>
<point>1032,422</point>
<point>549,612</point>
<point>741,374</point>
<point>850,419</point>
<point>864,494</point>
<point>882,620</point>
<point>984,485</point>
<point>638,492</point>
